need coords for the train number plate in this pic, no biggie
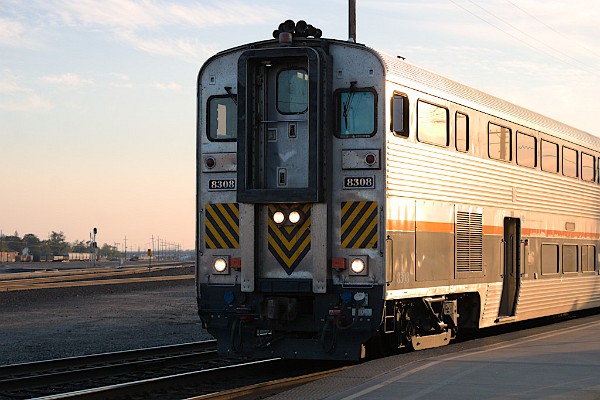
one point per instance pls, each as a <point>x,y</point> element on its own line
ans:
<point>362,182</point>
<point>221,184</point>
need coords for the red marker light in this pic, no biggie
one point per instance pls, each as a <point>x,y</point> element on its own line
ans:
<point>370,159</point>
<point>210,162</point>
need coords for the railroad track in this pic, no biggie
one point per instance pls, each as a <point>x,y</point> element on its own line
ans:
<point>184,371</point>
<point>54,376</point>
<point>248,380</point>
<point>88,277</point>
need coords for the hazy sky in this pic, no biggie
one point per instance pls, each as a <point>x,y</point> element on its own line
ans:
<point>97,98</point>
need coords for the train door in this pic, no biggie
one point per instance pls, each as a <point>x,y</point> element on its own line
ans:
<point>280,192</point>
<point>512,266</point>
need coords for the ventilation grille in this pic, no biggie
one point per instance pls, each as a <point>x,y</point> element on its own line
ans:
<point>469,242</point>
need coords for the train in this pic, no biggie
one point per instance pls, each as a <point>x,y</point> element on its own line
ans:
<point>350,203</point>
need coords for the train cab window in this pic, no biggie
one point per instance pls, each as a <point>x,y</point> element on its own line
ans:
<point>549,259</point>
<point>499,142</point>
<point>526,150</point>
<point>462,132</point>
<point>292,91</point>
<point>221,118</point>
<point>570,258</point>
<point>588,167</point>
<point>569,162</point>
<point>356,112</point>
<point>432,124</point>
<point>588,258</point>
<point>400,114</point>
<point>549,156</point>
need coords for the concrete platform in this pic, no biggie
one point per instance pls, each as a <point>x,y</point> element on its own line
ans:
<point>559,361</point>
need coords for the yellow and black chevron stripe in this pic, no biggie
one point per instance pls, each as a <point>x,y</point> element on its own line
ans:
<point>222,226</point>
<point>359,224</point>
<point>289,243</point>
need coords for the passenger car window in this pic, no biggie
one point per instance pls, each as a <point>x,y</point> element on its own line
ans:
<point>570,258</point>
<point>549,156</point>
<point>400,114</point>
<point>432,124</point>
<point>588,167</point>
<point>356,112</point>
<point>221,118</point>
<point>499,142</point>
<point>569,162</point>
<point>549,259</point>
<point>462,132</point>
<point>588,258</point>
<point>292,91</point>
<point>526,150</point>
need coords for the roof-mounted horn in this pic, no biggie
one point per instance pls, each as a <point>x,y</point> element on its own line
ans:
<point>288,29</point>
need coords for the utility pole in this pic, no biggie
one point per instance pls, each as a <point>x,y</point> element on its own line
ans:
<point>352,21</point>
<point>125,247</point>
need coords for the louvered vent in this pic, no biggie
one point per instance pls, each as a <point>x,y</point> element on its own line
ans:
<point>469,242</point>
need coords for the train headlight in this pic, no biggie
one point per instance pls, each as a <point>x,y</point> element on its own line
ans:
<point>294,217</point>
<point>278,217</point>
<point>358,265</point>
<point>220,265</point>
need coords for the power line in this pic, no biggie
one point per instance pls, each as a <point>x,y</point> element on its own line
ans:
<point>519,39</point>
<point>554,30</point>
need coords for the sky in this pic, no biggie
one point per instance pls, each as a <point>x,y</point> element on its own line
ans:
<point>98,98</point>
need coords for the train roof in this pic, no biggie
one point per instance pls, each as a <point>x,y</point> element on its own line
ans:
<point>477,99</point>
<point>443,87</point>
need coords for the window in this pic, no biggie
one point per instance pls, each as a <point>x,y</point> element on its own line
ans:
<point>499,142</point>
<point>526,150</point>
<point>432,124</point>
<point>569,258</point>
<point>569,162</point>
<point>549,259</point>
<point>588,258</point>
<point>588,167</point>
<point>462,132</point>
<point>356,112</point>
<point>400,114</point>
<point>549,156</point>
<point>292,91</point>
<point>222,118</point>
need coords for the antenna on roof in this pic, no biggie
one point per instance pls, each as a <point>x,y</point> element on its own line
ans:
<point>352,21</point>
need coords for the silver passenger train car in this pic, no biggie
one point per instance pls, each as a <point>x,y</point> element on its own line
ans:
<point>348,200</point>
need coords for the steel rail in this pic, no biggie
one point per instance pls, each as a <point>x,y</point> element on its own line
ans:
<point>156,384</point>
<point>50,372</point>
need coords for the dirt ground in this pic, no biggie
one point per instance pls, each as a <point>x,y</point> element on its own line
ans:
<point>55,323</point>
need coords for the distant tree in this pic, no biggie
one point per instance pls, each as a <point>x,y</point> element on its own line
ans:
<point>108,251</point>
<point>79,246</point>
<point>57,243</point>
<point>12,243</point>
<point>33,243</point>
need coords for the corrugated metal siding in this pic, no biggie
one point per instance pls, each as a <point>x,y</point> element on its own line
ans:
<point>463,179</point>
<point>549,296</point>
<point>491,302</point>
<point>404,73</point>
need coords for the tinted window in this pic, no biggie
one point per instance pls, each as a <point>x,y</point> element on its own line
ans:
<point>462,132</point>
<point>526,150</point>
<point>588,258</point>
<point>432,124</point>
<point>292,91</point>
<point>549,259</point>
<point>356,110</point>
<point>549,156</point>
<point>400,114</point>
<point>569,258</point>
<point>222,118</point>
<point>499,142</point>
<point>569,161</point>
<point>588,167</point>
